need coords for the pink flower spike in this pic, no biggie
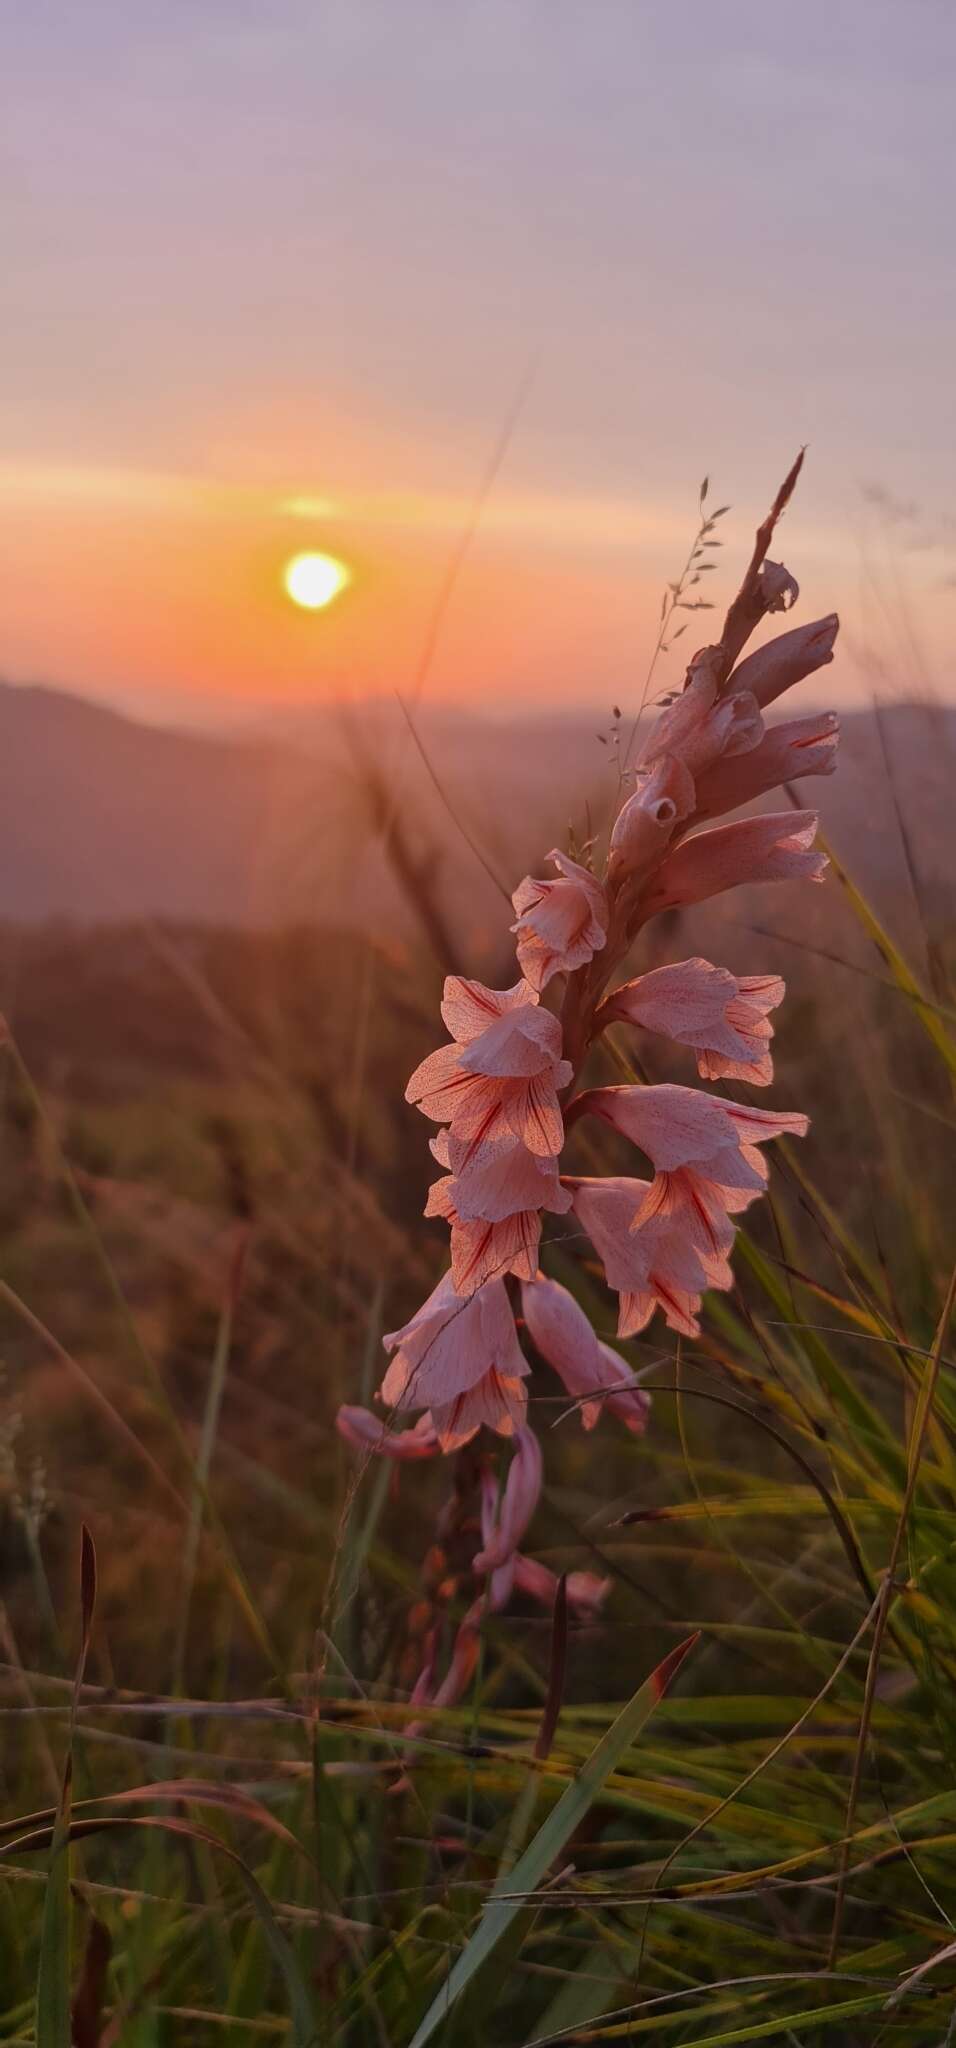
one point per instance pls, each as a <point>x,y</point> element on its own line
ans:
<point>722,1017</point>
<point>592,1373</point>
<point>461,1359</point>
<point>365,1432</point>
<point>503,1528</point>
<point>586,1593</point>
<point>779,664</point>
<point>772,848</point>
<point>560,924</point>
<point>796,747</point>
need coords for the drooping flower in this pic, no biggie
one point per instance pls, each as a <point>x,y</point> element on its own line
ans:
<point>492,1198</point>
<point>460,1359</point>
<point>658,1266</point>
<point>365,1432</point>
<point>501,1073</point>
<point>788,659</point>
<point>684,1127</point>
<point>592,1372</point>
<point>560,924</point>
<point>774,848</point>
<point>796,747</point>
<point>722,1016</point>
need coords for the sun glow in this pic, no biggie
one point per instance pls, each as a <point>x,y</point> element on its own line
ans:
<point>312,581</point>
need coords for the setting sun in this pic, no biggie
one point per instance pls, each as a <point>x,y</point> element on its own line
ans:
<point>312,581</point>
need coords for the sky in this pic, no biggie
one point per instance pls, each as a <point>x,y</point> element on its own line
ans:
<point>469,296</point>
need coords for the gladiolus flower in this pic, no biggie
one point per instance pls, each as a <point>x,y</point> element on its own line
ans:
<point>786,660</point>
<point>505,1081</point>
<point>683,1127</point>
<point>796,747</point>
<point>560,924</point>
<point>459,1358</point>
<point>773,848</point>
<point>657,1266</point>
<point>493,1205</point>
<point>504,1525</point>
<point>591,1371</point>
<point>722,1017</point>
<point>365,1432</point>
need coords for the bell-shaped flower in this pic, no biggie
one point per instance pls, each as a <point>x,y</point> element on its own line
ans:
<point>658,1266</point>
<point>722,1016</point>
<point>492,1198</point>
<point>796,747</point>
<point>460,1359</point>
<point>780,663</point>
<point>592,1372</point>
<point>586,1593</point>
<point>684,1127</point>
<point>365,1432</point>
<point>560,924</point>
<point>774,848</point>
<point>662,799</point>
<point>505,1519</point>
<point>501,1074</point>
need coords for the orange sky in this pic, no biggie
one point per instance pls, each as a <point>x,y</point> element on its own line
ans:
<point>277,281</point>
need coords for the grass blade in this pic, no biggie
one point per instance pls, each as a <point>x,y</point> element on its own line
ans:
<point>509,1899</point>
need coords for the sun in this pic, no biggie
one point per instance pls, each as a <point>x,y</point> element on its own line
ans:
<point>312,581</point>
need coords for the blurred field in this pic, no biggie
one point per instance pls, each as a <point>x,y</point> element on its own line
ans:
<point>210,1204</point>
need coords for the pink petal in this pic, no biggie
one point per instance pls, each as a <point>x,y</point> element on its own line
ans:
<point>450,1346</point>
<point>468,1007</point>
<point>523,1042</point>
<point>644,824</point>
<point>560,1330</point>
<point>496,1402</point>
<point>786,660</point>
<point>365,1432</point>
<point>800,746</point>
<point>502,1532</point>
<point>772,848</point>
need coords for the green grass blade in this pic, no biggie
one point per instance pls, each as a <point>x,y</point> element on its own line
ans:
<point>509,1898</point>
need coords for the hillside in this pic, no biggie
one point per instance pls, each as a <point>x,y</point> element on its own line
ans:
<point>104,818</point>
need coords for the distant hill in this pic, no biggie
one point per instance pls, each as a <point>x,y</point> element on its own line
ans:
<point>104,818</point>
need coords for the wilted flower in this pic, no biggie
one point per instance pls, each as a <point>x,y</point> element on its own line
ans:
<point>560,924</point>
<point>723,1017</point>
